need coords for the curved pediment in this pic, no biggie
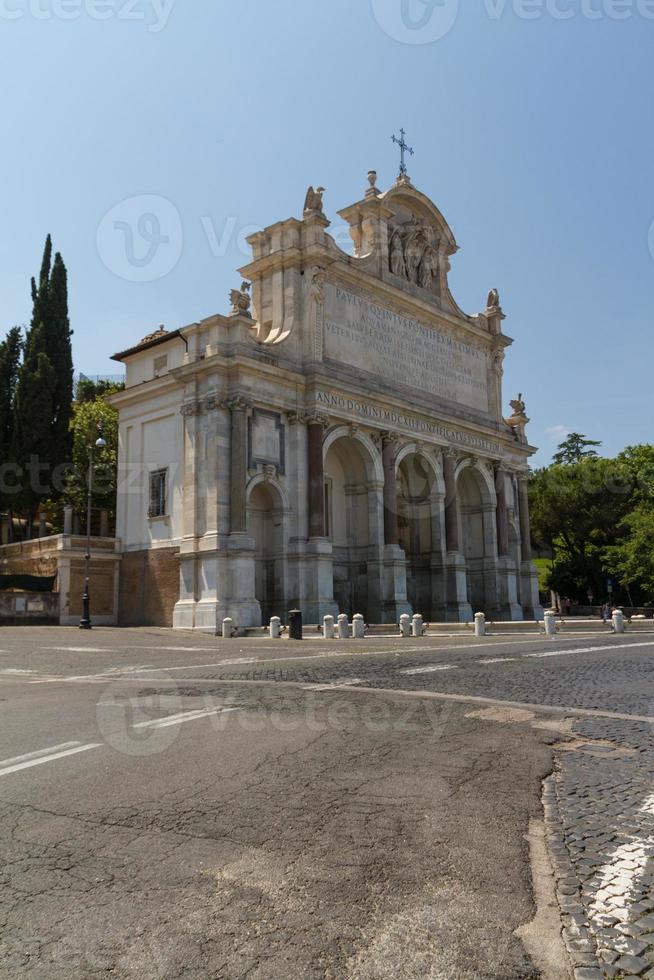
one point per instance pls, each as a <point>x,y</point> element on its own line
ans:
<point>412,208</point>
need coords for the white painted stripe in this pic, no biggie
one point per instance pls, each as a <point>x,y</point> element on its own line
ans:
<point>602,649</point>
<point>336,685</point>
<point>499,660</point>
<point>80,649</point>
<point>48,758</point>
<point>38,753</point>
<point>14,671</point>
<point>431,669</point>
<point>184,716</point>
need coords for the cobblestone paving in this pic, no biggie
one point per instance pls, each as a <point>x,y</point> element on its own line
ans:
<point>599,810</point>
<point>599,802</point>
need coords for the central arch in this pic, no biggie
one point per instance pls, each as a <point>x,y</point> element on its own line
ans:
<point>478,538</point>
<point>353,509</point>
<point>418,494</point>
<point>265,521</point>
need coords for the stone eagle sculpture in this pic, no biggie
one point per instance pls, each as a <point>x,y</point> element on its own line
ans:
<point>313,201</point>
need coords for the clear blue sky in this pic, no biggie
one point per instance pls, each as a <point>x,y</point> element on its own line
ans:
<point>533,136</point>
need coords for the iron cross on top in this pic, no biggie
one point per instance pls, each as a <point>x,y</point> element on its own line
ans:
<point>404,148</point>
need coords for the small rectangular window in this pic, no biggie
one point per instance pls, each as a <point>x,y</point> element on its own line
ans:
<point>160,365</point>
<point>158,480</point>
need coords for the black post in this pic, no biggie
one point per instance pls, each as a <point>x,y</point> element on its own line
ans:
<point>85,621</point>
<point>295,624</point>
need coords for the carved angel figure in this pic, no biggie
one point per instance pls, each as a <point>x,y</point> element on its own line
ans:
<point>313,201</point>
<point>398,265</point>
<point>428,268</point>
<point>241,300</point>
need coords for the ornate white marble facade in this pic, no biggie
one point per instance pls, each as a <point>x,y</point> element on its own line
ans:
<point>336,442</point>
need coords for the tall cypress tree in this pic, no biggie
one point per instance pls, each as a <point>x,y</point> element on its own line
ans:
<point>10,351</point>
<point>59,350</point>
<point>44,393</point>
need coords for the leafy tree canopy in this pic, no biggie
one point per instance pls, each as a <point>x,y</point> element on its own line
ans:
<point>575,448</point>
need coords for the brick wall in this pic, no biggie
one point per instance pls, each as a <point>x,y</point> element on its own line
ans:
<point>149,587</point>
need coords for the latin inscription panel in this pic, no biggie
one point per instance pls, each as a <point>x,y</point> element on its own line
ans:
<point>402,351</point>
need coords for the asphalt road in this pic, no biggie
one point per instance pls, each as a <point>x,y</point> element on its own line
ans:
<point>178,806</point>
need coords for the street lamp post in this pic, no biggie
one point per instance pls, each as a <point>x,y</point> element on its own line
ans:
<point>85,621</point>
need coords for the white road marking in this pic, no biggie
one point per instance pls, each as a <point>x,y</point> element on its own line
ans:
<point>80,649</point>
<point>628,862</point>
<point>336,685</point>
<point>499,660</point>
<point>184,716</point>
<point>47,755</point>
<point>568,653</point>
<point>14,671</point>
<point>431,669</point>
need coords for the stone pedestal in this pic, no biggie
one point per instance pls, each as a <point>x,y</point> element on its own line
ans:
<point>530,597</point>
<point>510,608</point>
<point>319,600</point>
<point>458,609</point>
<point>394,595</point>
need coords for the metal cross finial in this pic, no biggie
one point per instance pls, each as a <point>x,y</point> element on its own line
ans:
<point>404,148</point>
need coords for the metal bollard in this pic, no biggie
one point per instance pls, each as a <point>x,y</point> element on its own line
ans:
<point>295,624</point>
<point>480,625</point>
<point>618,621</point>
<point>550,623</point>
<point>275,628</point>
<point>343,627</point>
<point>328,627</point>
<point>417,625</point>
<point>359,627</point>
<point>405,625</point>
<point>228,626</point>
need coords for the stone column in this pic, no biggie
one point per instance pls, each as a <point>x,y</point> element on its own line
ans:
<point>238,455</point>
<point>458,608</point>
<point>318,586</point>
<point>510,608</point>
<point>317,526</point>
<point>68,519</point>
<point>451,510</point>
<point>502,515</point>
<point>528,575</point>
<point>184,614</point>
<point>525,524</point>
<point>389,443</point>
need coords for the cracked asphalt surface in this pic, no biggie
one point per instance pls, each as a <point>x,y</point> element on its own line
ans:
<point>177,806</point>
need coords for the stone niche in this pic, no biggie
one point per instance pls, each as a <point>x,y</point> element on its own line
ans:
<point>266,440</point>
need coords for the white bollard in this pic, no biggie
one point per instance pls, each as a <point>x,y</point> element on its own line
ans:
<point>405,625</point>
<point>328,627</point>
<point>343,627</point>
<point>550,623</point>
<point>618,621</point>
<point>228,626</point>
<point>275,628</point>
<point>480,625</point>
<point>359,627</point>
<point>417,625</point>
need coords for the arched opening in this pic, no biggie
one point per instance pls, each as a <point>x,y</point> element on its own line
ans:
<point>265,526</point>
<point>473,535</point>
<point>416,488</point>
<point>349,509</point>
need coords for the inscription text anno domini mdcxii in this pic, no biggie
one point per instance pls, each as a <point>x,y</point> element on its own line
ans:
<point>400,350</point>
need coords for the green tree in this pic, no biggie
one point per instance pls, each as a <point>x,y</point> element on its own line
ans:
<point>575,510</point>
<point>10,353</point>
<point>41,439</point>
<point>575,448</point>
<point>90,418</point>
<point>632,559</point>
